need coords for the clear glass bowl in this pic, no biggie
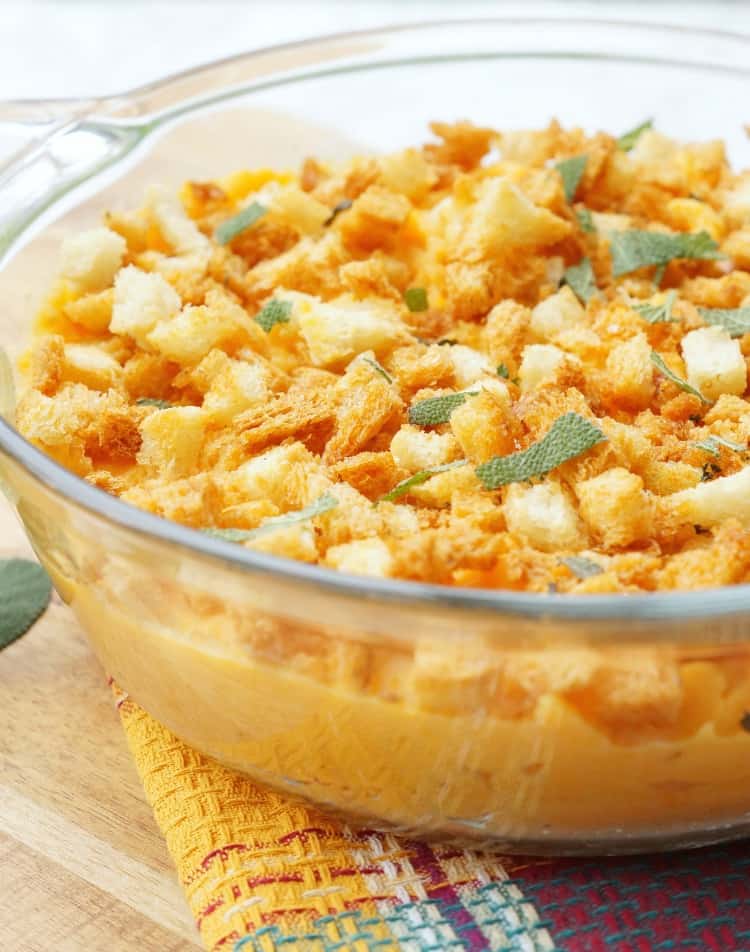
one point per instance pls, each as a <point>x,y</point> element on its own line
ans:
<point>548,724</point>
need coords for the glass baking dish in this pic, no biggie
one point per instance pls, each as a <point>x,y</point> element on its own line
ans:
<point>424,709</point>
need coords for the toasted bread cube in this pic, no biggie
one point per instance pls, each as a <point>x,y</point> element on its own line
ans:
<point>616,508</point>
<point>630,373</point>
<point>635,691</point>
<point>92,311</point>
<point>544,515</point>
<point>338,330</point>
<point>737,246</point>
<point>688,214</point>
<point>189,335</point>
<point>142,300</point>
<point>238,386</point>
<point>293,542</point>
<point>415,449</point>
<point>665,478</point>
<point>172,441</point>
<point>196,330</point>
<point>92,258</point>
<point>90,365</point>
<point>714,362</point>
<point>505,329</point>
<point>362,557</point>
<point>265,476</point>
<point>366,403</point>
<point>502,216</point>
<point>77,422</point>
<point>409,173</point>
<point>375,219</point>
<point>556,314</point>
<point>288,475</point>
<point>498,390</point>
<point>469,365</point>
<point>737,201</point>
<point>656,158</point>
<point>711,503</point>
<point>298,209</point>
<point>179,231</point>
<point>439,489</point>
<point>540,362</point>
<point>606,222</point>
<point>629,442</point>
<point>482,427</point>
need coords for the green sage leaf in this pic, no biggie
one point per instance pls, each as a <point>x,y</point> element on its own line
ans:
<point>586,221</point>
<point>416,299</point>
<point>569,436</point>
<point>272,313</point>
<point>244,219</point>
<point>317,508</point>
<point>628,139</point>
<point>580,278</point>
<point>400,489</point>
<point>658,313</point>
<point>25,590</point>
<point>338,208</point>
<point>436,410</point>
<point>636,249</point>
<point>734,320</point>
<point>378,368</point>
<point>571,172</point>
<point>658,361</point>
<point>153,402</point>
<point>712,443</point>
<point>582,567</point>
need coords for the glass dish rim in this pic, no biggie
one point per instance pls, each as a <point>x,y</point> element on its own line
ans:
<point>665,606</point>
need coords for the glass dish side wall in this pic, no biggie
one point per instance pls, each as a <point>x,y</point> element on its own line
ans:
<point>433,728</point>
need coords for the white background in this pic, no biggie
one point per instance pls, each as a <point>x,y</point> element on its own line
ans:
<point>98,47</point>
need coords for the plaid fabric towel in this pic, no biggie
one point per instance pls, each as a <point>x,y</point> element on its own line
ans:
<point>261,874</point>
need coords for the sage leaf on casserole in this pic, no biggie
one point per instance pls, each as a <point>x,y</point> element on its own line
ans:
<point>400,489</point>
<point>586,221</point>
<point>571,172</point>
<point>712,443</point>
<point>568,437</point>
<point>582,567</point>
<point>154,402</point>
<point>636,249</point>
<point>324,504</point>
<point>436,410</point>
<point>658,313</point>
<point>378,368</point>
<point>228,230</point>
<point>272,313</point>
<point>658,361</point>
<point>734,320</point>
<point>416,299</point>
<point>628,139</point>
<point>580,278</point>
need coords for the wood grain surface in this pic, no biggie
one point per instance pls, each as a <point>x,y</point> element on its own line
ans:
<point>82,865</point>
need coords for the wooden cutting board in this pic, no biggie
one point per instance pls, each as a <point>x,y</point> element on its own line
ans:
<point>83,867</point>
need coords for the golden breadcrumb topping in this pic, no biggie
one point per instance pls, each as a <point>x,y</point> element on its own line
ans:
<point>509,360</point>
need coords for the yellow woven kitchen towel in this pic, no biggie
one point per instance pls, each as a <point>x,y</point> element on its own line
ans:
<point>263,873</point>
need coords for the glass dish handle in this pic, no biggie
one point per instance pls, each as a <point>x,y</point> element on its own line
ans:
<point>47,148</point>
